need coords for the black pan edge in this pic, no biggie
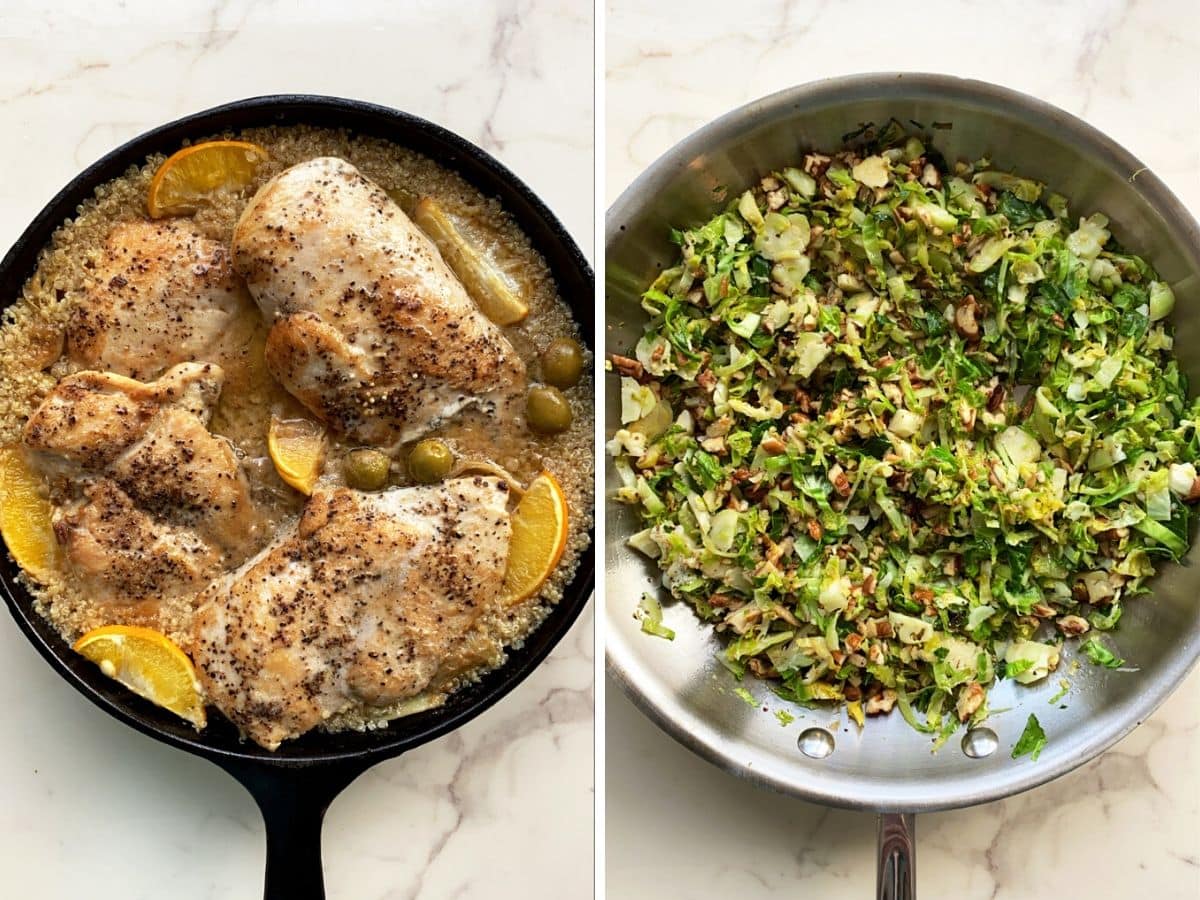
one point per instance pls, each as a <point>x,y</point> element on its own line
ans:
<point>575,279</point>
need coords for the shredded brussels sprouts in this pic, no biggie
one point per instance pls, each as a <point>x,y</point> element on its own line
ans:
<point>899,430</point>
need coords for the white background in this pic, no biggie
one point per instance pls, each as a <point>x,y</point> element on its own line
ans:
<point>88,807</point>
<point>1128,824</point>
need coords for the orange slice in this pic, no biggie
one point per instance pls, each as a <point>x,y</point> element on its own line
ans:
<point>148,663</point>
<point>25,516</point>
<point>539,537</point>
<point>189,178</point>
<point>297,447</point>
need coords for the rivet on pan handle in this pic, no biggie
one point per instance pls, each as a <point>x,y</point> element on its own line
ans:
<point>896,877</point>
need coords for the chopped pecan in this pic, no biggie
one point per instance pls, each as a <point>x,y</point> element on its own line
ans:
<point>970,698</point>
<point>754,492</point>
<point>964,318</point>
<point>815,164</point>
<point>881,703</point>
<point>814,529</point>
<point>869,583</point>
<point>631,368</point>
<point>762,669</point>
<point>1193,493</point>
<point>707,380</point>
<point>995,399</point>
<point>840,482</point>
<point>1073,625</point>
<point>772,445</point>
<point>854,641</point>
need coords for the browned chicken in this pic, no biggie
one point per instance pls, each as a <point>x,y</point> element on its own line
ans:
<point>125,555</point>
<point>372,331</point>
<point>164,503</point>
<point>162,294</point>
<point>356,606</point>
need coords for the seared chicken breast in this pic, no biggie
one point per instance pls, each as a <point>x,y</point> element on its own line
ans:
<point>127,556</point>
<point>162,294</point>
<point>371,331</point>
<point>355,606</point>
<point>164,502</point>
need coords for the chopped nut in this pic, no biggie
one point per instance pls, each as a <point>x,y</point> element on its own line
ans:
<point>772,446</point>
<point>930,176</point>
<point>1194,493</point>
<point>630,368</point>
<point>970,698</point>
<point>762,669</point>
<point>707,380</point>
<point>996,399</point>
<point>815,164</point>
<point>1073,625</point>
<point>964,318</point>
<point>770,183</point>
<point>714,445</point>
<point>776,200</point>
<point>881,703</point>
<point>854,641</point>
<point>840,482</point>
<point>814,529</point>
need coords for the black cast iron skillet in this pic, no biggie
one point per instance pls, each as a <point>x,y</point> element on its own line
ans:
<point>294,785</point>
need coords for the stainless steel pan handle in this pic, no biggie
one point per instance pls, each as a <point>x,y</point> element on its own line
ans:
<point>896,877</point>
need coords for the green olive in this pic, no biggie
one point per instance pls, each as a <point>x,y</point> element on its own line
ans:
<point>366,470</point>
<point>562,363</point>
<point>430,461</point>
<point>547,410</point>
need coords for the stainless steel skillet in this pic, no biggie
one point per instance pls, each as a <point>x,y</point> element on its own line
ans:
<point>888,768</point>
<point>294,785</point>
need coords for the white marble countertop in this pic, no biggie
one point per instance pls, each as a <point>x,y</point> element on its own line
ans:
<point>1127,824</point>
<point>501,809</point>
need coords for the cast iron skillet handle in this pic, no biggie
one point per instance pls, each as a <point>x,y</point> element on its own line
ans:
<point>896,877</point>
<point>293,800</point>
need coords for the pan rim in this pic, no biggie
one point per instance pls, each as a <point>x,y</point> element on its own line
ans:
<point>566,260</point>
<point>621,663</point>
